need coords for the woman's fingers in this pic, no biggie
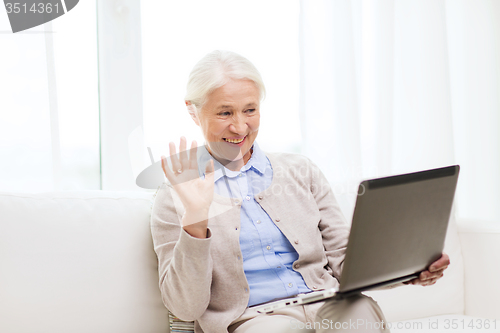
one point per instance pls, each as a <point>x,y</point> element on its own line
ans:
<point>181,162</point>
<point>209,171</point>
<point>176,165</point>
<point>440,264</point>
<point>209,167</point>
<point>183,156</point>
<point>430,282</point>
<point>426,275</point>
<point>440,269</point>
<point>193,158</point>
<point>166,169</point>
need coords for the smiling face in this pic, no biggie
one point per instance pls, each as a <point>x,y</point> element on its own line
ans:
<point>230,121</point>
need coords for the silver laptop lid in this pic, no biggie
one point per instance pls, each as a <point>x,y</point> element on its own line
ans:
<point>398,227</point>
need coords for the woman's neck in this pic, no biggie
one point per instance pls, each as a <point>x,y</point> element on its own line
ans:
<point>235,165</point>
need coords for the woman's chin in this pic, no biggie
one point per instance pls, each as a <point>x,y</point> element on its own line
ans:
<point>228,158</point>
<point>223,151</point>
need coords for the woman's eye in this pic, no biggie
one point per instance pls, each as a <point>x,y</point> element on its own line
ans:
<point>250,110</point>
<point>225,113</point>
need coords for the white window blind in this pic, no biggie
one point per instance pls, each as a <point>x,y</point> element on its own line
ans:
<point>49,117</point>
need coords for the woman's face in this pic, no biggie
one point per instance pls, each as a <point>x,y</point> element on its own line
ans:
<point>230,121</point>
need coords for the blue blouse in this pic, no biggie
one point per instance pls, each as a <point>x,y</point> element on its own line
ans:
<point>268,256</point>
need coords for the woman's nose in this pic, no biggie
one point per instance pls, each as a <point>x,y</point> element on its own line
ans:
<point>238,125</point>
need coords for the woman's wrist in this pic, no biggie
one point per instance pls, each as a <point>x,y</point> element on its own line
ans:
<point>197,231</point>
<point>194,216</point>
<point>195,223</point>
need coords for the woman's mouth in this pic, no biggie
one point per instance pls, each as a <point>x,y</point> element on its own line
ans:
<point>235,141</point>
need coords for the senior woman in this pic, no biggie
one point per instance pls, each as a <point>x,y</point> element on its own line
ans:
<point>236,226</point>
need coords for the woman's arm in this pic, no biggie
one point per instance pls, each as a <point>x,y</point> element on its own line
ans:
<point>333,226</point>
<point>184,261</point>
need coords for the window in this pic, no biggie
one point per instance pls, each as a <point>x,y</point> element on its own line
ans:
<point>49,128</point>
<point>171,47</point>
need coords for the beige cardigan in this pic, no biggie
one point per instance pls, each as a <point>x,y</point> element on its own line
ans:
<point>203,279</point>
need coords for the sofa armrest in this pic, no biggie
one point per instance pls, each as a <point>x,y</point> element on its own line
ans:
<point>480,248</point>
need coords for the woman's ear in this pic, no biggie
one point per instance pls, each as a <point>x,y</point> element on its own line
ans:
<point>193,112</point>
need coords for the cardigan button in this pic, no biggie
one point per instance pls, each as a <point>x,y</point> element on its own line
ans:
<point>277,220</point>
<point>296,241</point>
<point>314,287</point>
<point>260,197</point>
<point>296,265</point>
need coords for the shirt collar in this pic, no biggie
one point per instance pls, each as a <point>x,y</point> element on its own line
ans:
<point>258,161</point>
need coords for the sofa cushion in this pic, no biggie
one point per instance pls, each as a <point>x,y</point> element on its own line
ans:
<point>78,262</point>
<point>444,297</point>
<point>481,245</point>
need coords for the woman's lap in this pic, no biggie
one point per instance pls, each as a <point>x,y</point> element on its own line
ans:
<point>271,323</point>
<point>353,314</point>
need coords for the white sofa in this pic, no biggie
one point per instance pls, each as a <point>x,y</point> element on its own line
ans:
<point>83,261</point>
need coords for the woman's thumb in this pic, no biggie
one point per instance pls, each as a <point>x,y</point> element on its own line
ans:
<point>209,170</point>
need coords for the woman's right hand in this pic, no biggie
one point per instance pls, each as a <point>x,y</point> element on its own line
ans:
<point>195,193</point>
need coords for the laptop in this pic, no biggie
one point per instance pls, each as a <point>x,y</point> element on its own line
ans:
<point>398,229</point>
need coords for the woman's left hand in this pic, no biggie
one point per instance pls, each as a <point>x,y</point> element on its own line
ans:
<point>434,273</point>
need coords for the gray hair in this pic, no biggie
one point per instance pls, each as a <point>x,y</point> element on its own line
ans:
<point>216,69</point>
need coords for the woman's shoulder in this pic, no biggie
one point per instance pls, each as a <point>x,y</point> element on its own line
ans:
<point>295,166</point>
<point>289,159</point>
